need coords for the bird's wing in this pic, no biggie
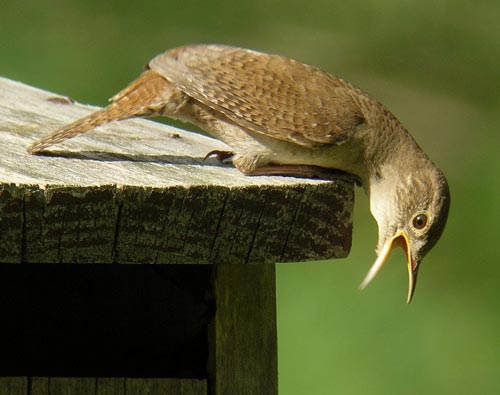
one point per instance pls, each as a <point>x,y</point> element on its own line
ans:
<point>264,93</point>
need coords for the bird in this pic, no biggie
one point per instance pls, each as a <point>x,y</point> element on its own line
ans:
<point>280,116</point>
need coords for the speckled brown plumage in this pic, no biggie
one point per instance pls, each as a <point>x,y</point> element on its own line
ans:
<point>269,94</point>
<point>281,116</point>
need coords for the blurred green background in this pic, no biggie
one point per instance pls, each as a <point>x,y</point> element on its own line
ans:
<point>436,65</point>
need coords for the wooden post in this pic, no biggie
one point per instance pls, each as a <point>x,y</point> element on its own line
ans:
<point>244,359</point>
<point>194,311</point>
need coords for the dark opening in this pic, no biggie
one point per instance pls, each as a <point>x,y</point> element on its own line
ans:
<point>104,320</point>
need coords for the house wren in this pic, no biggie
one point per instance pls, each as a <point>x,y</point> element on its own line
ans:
<point>280,116</point>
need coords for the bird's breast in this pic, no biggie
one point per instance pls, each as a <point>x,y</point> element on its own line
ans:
<point>263,149</point>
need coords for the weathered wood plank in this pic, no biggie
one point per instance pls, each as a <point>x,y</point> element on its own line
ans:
<point>39,386</point>
<point>11,223</point>
<point>132,193</point>
<point>100,386</point>
<point>243,357</point>
<point>72,386</point>
<point>13,386</point>
<point>70,224</point>
<point>132,152</point>
<point>111,386</point>
<point>175,225</point>
<point>165,387</point>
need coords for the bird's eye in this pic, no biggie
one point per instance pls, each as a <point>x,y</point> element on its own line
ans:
<point>420,221</point>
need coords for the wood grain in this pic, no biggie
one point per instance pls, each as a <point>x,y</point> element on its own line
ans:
<point>243,357</point>
<point>130,192</point>
<point>99,386</point>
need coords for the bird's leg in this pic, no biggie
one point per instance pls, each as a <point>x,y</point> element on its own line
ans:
<point>221,156</point>
<point>301,171</point>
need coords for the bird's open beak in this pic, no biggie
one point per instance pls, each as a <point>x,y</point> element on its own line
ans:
<point>399,240</point>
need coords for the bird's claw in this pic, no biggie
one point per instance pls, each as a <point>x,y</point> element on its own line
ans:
<point>221,156</point>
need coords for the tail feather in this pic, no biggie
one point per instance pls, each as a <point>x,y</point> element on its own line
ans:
<point>76,128</point>
<point>133,101</point>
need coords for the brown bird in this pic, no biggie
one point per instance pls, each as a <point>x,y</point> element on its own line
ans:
<point>281,116</point>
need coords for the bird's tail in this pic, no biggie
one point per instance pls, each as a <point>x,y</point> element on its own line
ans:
<point>137,99</point>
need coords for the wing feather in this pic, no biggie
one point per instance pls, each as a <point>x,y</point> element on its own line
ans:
<point>264,93</point>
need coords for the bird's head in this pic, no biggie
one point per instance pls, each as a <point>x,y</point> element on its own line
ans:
<point>411,212</point>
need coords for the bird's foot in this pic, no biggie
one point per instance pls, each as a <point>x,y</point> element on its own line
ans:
<point>303,171</point>
<point>221,156</point>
